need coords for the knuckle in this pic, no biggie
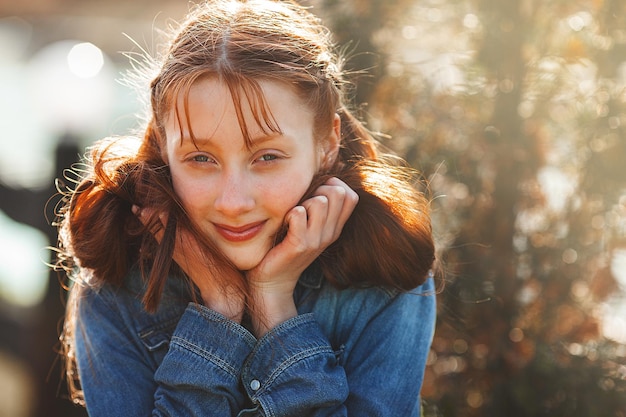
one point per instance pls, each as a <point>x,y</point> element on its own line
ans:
<point>320,200</point>
<point>339,193</point>
<point>301,247</point>
<point>353,197</point>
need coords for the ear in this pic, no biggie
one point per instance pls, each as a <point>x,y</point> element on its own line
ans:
<point>330,147</point>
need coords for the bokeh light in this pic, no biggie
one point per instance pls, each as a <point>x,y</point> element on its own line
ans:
<point>71,85</point>
<point>85,60</point>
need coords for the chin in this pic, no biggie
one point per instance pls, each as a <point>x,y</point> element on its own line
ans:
<point>245,264</point>
<point>247,258</point>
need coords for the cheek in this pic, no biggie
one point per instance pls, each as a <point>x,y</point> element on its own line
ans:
<point>191,194</point>
<point>284,193</point>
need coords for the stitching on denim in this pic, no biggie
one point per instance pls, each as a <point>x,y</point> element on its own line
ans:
<point>204,354</point>
<point>160,326</point>
<point>295,359</point>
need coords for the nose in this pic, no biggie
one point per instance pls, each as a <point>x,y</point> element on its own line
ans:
<point>234,194</point>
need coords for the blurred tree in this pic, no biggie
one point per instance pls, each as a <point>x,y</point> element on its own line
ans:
<point>355,26</point>
<point>37,341</point>
<point>516,112</point>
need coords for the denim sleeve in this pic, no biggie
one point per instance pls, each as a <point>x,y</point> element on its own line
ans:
<point>386,364</point>
<point>120,376</point>
<point>216,367</point>
<point>116,372</point>
<point>200,373</point>
<point>293,371</point>
<point>377,370</point>
<point>288,372</point>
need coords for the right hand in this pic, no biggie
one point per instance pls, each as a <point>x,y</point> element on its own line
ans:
<point>201,268</point>
<point>312,227</point>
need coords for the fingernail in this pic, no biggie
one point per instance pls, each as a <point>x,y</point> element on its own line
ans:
<point>135,209</point>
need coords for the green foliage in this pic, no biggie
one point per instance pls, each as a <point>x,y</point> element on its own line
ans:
<point>516,112</point>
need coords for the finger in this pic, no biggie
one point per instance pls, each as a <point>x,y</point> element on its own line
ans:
<point>136,210</point>
<point>317,215</point>
<point>296,219</point>
<point>327,218</point>
<point>342,201</point>
<point>335,196</point>
<point>146,216</point>
<point>349,198</point>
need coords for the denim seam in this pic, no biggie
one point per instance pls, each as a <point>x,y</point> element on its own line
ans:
<point>258,397</point>
<point>292,360</point>
<point>169,324</point>
<point>214,317</point>
<point>204,354</point>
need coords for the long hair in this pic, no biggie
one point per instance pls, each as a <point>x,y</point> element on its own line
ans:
<point>387,240</point>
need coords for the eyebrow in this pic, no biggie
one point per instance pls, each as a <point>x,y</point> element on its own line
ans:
<point>256,141</point>
<point>261,139</point>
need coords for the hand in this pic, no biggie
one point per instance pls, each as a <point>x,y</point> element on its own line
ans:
<point>312,227</point>
<point>216,293</point>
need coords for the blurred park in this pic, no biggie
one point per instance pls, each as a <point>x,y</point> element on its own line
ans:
<point>514,111</point>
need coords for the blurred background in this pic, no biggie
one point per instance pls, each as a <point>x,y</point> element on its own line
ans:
<point>514,111</point>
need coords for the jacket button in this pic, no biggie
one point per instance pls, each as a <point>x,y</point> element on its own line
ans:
<point>255,384</point>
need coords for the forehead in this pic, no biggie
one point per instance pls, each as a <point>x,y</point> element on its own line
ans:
<point>251,107</point>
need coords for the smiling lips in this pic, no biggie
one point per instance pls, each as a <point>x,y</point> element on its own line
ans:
<point>239,234</point>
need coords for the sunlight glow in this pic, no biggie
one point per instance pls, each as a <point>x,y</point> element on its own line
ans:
<point>71,86</point>
<point>579,21</point>
<point>614,324</point>
<point>85,60</point>
<point>557,186</point>
<point>618,266</point>
<point>614,328</point>
<point>569,256</point>
<point>23,275</point>
<point>471,21</point>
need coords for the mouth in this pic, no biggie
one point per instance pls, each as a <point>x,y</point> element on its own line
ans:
<point>239,233</point>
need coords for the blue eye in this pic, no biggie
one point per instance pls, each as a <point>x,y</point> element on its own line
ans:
<point>201,158</point>
<point>267,157</point>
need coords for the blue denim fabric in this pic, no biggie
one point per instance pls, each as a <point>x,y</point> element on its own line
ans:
<point>357,352</point>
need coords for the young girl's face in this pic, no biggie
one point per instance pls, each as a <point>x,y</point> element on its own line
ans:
<point>239,195</point>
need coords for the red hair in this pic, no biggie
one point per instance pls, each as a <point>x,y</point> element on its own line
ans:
<point>387,240</point>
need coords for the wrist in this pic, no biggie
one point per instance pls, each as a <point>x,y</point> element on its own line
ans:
<point>231,308</point>
<point>271,310</point>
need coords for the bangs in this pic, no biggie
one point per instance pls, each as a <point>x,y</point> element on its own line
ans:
<point>246,93</point>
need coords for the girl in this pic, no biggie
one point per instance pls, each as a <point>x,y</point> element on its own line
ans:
<point>255,253</point>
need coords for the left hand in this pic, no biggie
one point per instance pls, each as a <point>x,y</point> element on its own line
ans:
<point>312,227</point>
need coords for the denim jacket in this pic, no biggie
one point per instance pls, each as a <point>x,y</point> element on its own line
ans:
<point>357,352</point>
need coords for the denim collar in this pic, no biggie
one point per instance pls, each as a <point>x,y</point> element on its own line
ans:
<point>312,277</point>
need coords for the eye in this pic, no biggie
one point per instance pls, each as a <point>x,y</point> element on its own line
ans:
<point>201,158</point>
<point>267,157</point>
